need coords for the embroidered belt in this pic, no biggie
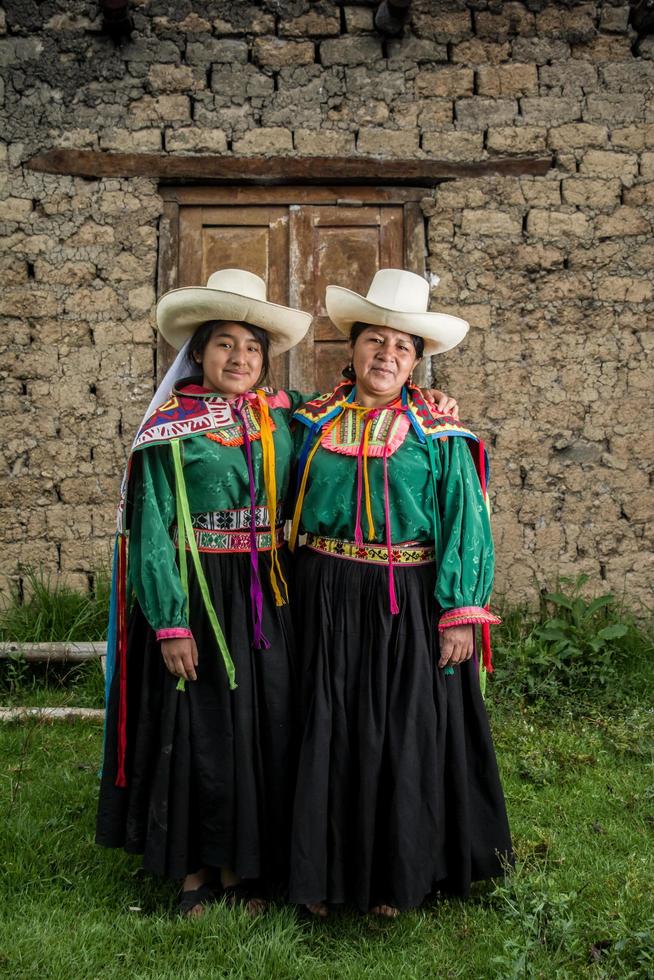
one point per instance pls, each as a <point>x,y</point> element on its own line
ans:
<point>228,530</point>
<point>406,553</point>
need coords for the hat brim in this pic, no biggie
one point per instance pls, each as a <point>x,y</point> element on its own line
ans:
<point>440,331</point>
<point>181,311</point>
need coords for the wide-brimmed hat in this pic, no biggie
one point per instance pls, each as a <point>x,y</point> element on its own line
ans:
<point>397,299</point>
<point>230,294</point>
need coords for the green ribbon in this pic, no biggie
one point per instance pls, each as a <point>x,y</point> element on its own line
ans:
<point>185,533</point>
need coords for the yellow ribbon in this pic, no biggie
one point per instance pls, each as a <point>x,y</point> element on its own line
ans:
<point>270,484</point>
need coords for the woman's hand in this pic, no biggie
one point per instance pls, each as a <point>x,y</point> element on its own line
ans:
<point>181,657</point>
<point>443,402</point>
<point>457,645</point>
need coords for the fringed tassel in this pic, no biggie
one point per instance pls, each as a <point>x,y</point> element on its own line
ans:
<point>270,483</point>
<point>259,640</point>
<point>121,658</point>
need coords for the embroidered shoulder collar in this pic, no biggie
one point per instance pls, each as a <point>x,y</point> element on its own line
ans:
<point>425,419</point>
<point>194,412</point>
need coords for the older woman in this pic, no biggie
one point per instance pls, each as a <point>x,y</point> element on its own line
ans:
<point>198,768</point>
<point>398,792</point>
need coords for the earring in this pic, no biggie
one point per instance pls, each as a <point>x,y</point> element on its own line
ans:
<point>410,380</point>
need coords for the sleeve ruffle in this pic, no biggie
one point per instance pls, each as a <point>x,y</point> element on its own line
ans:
<point>467,616</point>
<point>173,633</point>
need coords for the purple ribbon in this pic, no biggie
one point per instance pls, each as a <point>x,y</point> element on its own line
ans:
<point>256,594</point>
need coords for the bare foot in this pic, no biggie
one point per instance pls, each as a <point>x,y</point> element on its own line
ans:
<point>385,911</point>
<point>319,909</point>
<point>255,906</point>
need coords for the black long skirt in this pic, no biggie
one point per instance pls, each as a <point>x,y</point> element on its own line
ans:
<point>398,791</point>
<point>209,771</point>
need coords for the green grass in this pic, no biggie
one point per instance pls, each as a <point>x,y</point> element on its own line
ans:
<point>577,757</point>
<point>580,791</point>
<point>40,610</point>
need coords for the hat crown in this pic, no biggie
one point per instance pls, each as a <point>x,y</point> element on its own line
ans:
<point>399,290</point>
<point>238,281</point>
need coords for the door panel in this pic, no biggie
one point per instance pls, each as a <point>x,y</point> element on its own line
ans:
<point>298,249</point>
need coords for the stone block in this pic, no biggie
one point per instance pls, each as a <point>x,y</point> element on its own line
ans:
<point>275,53</point>
<point>241,18</point>
<point>445,82</point>
<point>454,145</point>
<point>350,51</point>
<point>568,79</point>
<point>624,289</point>
<point>539,50</point>
<point>622,222</point>
<point>615,20</point>
<point>549,110</point>
<point>175,78</point>
<point>512,19</point>
<point>163,108</point>
<point>193,139</point>
<point>194,24</point>
<point>446,26</point>
<point>267,140</point>
<point>633,137</point>
<point>324,142</point>
<point>146,51</point>
<point>616,108</point>
<point>511,79</point>
<point>322,20</point>
<point>478,112</point>
<point>415,51</point>
<point>385,142</point>
<point>131,140</point>
<point>603,49</point>
<point>517,139</point>
<point>539,192</point>
<point>359,20</point>
<point>574,135</point>
<point>15,209</point>
<point>557,224</point>
<point>29,301</point>
<point>435,113</point>
<point>588,192</point>
<point>488,222</point>
<point>478,52</point>
<point>217,51</point>
<point>635,77</point>
<point>576,25</point>
<point>606,163</point>
<point>647,166</point>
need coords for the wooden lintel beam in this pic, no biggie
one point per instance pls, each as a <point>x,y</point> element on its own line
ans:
<point>276,170</point>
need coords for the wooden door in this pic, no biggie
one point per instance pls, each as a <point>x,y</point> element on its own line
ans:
<point>299,247</point>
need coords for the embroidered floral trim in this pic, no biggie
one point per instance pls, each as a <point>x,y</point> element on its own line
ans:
<point>173,633</point>
<point>467,616</point>
<point>409,553</point>
<point>386,434</point>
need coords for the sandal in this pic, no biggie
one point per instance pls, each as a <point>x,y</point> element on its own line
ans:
<point>241,894</point>
<point>196,899</point>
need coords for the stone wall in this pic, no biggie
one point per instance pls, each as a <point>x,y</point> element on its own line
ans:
<point>555,274</point>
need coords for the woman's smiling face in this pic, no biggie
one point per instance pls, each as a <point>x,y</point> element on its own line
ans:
<point>382,359</point>
<point>232,360</point>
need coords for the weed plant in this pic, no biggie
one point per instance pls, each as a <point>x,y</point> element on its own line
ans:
<point>576,648</point>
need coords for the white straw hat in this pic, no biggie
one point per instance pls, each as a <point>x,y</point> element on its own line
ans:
<point>230,294</point>
<point>396,299</point>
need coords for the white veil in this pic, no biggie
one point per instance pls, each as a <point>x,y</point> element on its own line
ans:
<point>180,368</point>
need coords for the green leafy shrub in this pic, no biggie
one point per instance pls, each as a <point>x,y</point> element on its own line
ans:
<point>576,646</point>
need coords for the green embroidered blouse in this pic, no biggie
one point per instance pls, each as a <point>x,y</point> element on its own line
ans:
<point>216,478</point>
<point>458,524</point>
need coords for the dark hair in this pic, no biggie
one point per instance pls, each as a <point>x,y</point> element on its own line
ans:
<point>355,332</point>
<point>205,332</point>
